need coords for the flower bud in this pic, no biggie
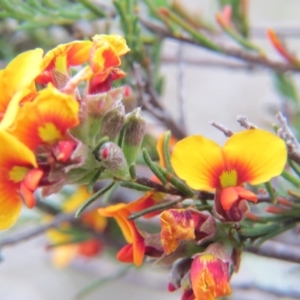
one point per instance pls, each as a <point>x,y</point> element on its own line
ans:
<point>98,104</point>
<point>179,269</point>
<point>135,128</point>
<point>112,158</point>
<point>113,121</point>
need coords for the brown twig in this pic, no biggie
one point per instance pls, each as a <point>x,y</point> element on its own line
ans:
<point>241,54</point>
<point>58,219</point>
<point>148,99</point>
<point>243,121</point>
<point>274,249</point>
<point>211,63</point>
<point>227,132</point>
<point>288,136</point>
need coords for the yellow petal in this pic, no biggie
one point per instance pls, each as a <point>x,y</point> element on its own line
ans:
<point>256,155</point>
<point>63,255</point>
<point>20,73</point>
<point>13,108</point>
<point>14,153</point>
<point>10,203</point>
<point>198,161</point>
<point>117,42</point>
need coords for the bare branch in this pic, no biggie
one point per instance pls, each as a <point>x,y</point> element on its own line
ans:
<point>148,99</point>
<point>287,135</point>
<point>245,123</point>
<point>212,63</point>
<point>277,250</point>
<point>241,54</point>
<point>222,128</point>
<point>180,87</point>
<point>58,219</point>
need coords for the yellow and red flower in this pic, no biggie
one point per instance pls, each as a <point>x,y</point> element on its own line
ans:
<point>19,176</point>
<point>105,58</point>
<point>19,74</point>
<point>57,62</point>
<point>251,156</point>
<point>209,277</point>
<point>43,120</point>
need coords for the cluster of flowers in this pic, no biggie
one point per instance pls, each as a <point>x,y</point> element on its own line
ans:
<point>69,132</point>
<point>41,150</point>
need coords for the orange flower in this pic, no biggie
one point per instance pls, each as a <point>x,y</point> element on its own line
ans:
<point>136,249</point>
<point>19,74</point>
<point>253,156</point>
<point>209,277</point>
<point>45,120</point>
<point>18,175</point>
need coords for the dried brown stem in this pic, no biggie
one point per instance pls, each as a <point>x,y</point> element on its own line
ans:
<point>246,56</point>
<point>211,63</point>
<point>288,136</point>
<point>148,99</point>
<point>227,132</point>
<point>274,249</point>
<point>58,219</point>
<point>243,121</point>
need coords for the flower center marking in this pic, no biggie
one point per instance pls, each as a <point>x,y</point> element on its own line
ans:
<point>49,133</point>
<point>17,174</point>
<point>228,178</point>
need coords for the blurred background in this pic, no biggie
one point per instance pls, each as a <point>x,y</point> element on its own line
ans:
<point>211,88</point>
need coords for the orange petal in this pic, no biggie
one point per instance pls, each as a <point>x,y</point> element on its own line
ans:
<point>228,196</point>
<point>148,200</point>
<point>198,161</point>
<point>75,53</point>
<point>256,155</point>
<point>126,254</point>
<point>280,47</point>
<point>46,119</point>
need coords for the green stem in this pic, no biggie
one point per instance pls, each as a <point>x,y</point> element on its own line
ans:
<point>153,167</point>
<point>294,167</point>
<point>93,198</point>
<point>204,41</point>
<point>160,206</point>
<point>271,192</point>
<point>166,152</point>
<point>179,184</point>
<point>135,186</point>
<point>93,8</point>
<point>292,179</point>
